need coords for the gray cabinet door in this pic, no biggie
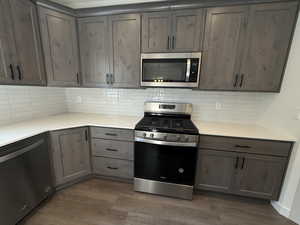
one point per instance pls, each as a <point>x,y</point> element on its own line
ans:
<point>269,34</point>
<point>261,176</point>
<point>94,51</point>
<point>187,30</point>
<point>223,44</point>
<point>30,66</point>
<point>60,47</point>
<point>71,154</point>
<point>216,170</point>
<point>156,32</point>
<point>125,54</point>
<point>7,45</point>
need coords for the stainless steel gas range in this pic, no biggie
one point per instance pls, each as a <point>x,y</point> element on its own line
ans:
<point>166,150</point>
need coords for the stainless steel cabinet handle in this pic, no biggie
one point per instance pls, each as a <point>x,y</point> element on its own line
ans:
<point>236,80</point>
<point>21,151</point>
<point>77,76</point>
<point>111,150</point>
<point>107,78</point>
<point>168,43</point>
<point>243,163</point>
<point>242,146</point>
<point>112,168</point>
<point>112,78</point>
<point>11,67</point>
<point>19,72</point>
<point>86,135</point>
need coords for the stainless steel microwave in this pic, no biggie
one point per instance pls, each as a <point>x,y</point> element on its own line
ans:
<point>170,69</point>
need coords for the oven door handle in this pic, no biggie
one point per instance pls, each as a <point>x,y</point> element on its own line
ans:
<point>169,143</point>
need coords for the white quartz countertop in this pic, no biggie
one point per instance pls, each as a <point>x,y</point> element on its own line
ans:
<point>19,131</point>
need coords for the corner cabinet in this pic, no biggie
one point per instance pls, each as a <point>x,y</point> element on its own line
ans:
<point>70,154</point>
<point>176,31</point>
<point>247,167</point>
<point>246,47</point>
<point>110,51</point>
<point>60,45</point>
<point>20,45</point>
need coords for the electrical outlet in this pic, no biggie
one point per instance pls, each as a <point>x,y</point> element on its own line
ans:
<point>218,106</point>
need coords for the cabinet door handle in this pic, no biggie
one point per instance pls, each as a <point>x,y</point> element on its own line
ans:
<point>112,168</point>
<point>237,162</point>
<point>19,72</point>
<point>243,163</point>
<point>11,67</point>
<point>173,42</point>
<point>242,80</point>
<point>168,43</point>
<point>111,150</point>
<point>242,146</point>
<point>107,78</point>
<point>112,78</point>
<point>236,80</point>
<point>111,134</point>
<point>77,76</point>
<point>86,135</point>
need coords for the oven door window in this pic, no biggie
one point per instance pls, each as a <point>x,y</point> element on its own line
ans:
<point>164,70</point>
<point>165,163</point>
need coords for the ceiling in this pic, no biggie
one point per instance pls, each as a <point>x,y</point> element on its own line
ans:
<point>98,3</point>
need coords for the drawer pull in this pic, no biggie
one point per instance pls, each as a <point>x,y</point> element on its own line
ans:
<point>112,168</point>
<point>111,134</point>
<point>242,146</point>
<point>243,163</point>
<point>111,150</point>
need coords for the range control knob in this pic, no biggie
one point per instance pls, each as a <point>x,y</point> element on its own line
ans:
<point>186,139</point>
<point>144,134</point>
<point>152,135</point>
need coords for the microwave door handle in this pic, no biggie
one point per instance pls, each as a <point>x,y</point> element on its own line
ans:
<point>188,70</point>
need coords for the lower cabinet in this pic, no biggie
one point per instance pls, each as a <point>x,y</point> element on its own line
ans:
<point>70,154</point>
<point>238,171</point>
<point>112,152</point>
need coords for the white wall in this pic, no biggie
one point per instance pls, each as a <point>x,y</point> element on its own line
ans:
<point>20,103</point>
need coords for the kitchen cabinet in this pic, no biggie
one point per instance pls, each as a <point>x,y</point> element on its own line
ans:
<point>177,31</point>
<point>242,166</point>
<point>112,152</point>
<point>60,46</point>
<point>94,51</point>
<point>71,155</point>
<point>246,47</point>
<point>7,46</point>
<point>20,47</point>
<point>115,61</point>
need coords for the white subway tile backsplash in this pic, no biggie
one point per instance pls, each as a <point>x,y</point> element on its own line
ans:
<point>235,107</point>
<point>18,103</point>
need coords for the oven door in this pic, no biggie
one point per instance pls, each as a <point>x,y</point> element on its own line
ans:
<point>170,69</point>
<point>164,163</point>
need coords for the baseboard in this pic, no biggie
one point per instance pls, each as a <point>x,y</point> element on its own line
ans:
<point>282,210</point>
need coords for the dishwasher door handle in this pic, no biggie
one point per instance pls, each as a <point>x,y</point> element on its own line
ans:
<point>21,151</point>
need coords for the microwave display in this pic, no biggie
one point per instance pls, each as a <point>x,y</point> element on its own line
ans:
<point>170,70</point>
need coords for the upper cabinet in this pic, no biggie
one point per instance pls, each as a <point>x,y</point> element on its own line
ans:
<point>60,48</point>
<point>246,47</point>
<point>174,31</point>
<point>20,45</point>
<point>110,51</point>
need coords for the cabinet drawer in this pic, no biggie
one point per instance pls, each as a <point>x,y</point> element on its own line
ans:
<point>113,149</point>
<point>112,133</point>
<point>275,148</point>
<point>113,167</point>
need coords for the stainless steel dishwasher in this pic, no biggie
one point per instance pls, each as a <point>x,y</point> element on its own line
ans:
<point>25,178</point>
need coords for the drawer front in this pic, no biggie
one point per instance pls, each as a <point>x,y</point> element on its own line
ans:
<point>113,167</point>
<point>113,149</point>
<point>112,133</point>
<point>275,148</point>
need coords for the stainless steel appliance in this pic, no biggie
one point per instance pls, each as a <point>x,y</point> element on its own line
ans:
<point>170,69</point>
<point>165,150</point>
<point>25,178</point>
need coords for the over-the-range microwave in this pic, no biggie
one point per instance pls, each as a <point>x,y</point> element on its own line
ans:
<point>170,69</point>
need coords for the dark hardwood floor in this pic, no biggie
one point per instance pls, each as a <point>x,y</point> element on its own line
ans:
<point>102,202</point>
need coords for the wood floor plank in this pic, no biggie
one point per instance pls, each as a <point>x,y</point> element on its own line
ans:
<point>103,202</point>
